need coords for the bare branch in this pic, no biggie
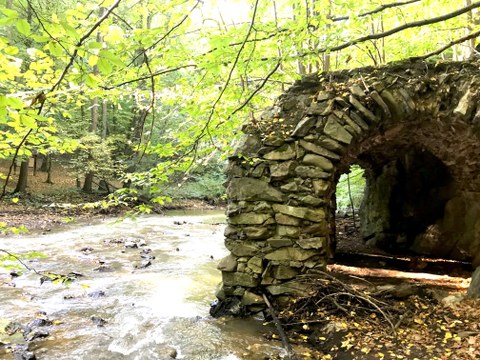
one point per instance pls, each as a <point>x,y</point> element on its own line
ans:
<point>149,76</point>
<point>229,77</point>
<point>255,92</point>
<point>44,28</point>
<point>396,30</point>
<point>449,45</point>
<point>377,10</point>
<point>20,261</point>
<point>172,29</point>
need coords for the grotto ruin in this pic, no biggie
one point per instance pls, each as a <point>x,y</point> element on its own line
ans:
<point>414,127</point>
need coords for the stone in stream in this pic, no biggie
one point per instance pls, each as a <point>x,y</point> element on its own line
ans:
<point>86,250</point>
<point>37,334</point>
<point>98,321</point>
<point>39,322</point>
<point>143,264</point>
<point>147,256</point>
<point>104,268</point>
<point>130,244</point>
<point>22,352</point>
<point>96,294</point>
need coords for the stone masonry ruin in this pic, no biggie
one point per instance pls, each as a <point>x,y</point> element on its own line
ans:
<point>414,127</point>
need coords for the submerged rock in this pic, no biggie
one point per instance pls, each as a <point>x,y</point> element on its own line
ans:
<point>21,352</point>
<point>144,264</point>
<point>96,294</point>
<point>98,321</point>
<point>37,334</point>
<point>231,306</point>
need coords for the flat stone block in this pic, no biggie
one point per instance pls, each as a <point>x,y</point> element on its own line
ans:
<point>306,172</point>
<point>285,152</point>
<point>319,161</point>
<point>313,243</point>
<point>250,189</point>
<point>249,219</point>
<point>239,279</point>
<point>336,131</point>
<point>290,254</point>
<point>228,263</point>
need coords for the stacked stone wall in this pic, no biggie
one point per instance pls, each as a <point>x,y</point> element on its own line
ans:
<point>282,177</point>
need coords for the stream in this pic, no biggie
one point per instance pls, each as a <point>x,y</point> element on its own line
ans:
<point>120,309</point>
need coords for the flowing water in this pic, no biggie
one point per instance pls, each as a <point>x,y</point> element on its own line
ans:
<point>148,311</point>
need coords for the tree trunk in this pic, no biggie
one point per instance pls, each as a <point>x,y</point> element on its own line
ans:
<point>104,119</point>
<point>48,161</point>
<point>45,163</point>
<point>22,177</point>
<point>88,183</point>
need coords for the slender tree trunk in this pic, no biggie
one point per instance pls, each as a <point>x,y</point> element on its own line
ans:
<point>104,119</point>
<point>48,162</point>
<point>88,183</point>
<point>22,177</point>
<point>44,166</point>
<point>326,56</point>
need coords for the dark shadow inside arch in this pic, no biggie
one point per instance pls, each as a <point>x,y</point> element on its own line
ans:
<point>399,221</point>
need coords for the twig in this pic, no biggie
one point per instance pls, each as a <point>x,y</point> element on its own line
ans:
<point>230,74</point>
<point>377,10</point>
<point>364,298</point>
<point>81,41</point>
<point>281,332</point>
<point>400,320</point>
<point>449,45</point>
<point>20,261</point>
<point>149,76</point>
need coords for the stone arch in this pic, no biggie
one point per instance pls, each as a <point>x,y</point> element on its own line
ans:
<point>419,120</point>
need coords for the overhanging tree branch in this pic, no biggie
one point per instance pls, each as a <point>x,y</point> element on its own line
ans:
<point>443,48</point>
<point>229,77</point>
<point>172,29</point>
<point>396,30</point>
<point>149,76</point>
<point>81,41</point>
<point>377,10</point>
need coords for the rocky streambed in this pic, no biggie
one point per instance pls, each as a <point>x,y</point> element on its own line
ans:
<point>122,289</point>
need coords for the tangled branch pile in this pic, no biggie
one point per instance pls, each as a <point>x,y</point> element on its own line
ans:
<point>358,319</point>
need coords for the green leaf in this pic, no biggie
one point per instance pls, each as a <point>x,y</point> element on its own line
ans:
<point>11,50</point>
<point>55,49</point>
<point>112,57</point>
<point>23,27</point>
<point>104,66</point>
<point>95,45</point>
<point>70,30</point>
<point>92,60</point>
<point>13,14</point>
<point>28,121</point>
<point>7,21</point>
<point>40,38</point>
<point>91,80</point>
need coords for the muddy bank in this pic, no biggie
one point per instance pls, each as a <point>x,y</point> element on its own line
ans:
<point>42,215</point>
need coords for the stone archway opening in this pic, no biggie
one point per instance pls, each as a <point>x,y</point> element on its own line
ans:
<point>390,212</point>
<point>349,195</point>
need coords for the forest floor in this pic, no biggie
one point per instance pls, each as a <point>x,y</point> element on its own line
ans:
<point>46,205</point>
<point>410,308</point>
